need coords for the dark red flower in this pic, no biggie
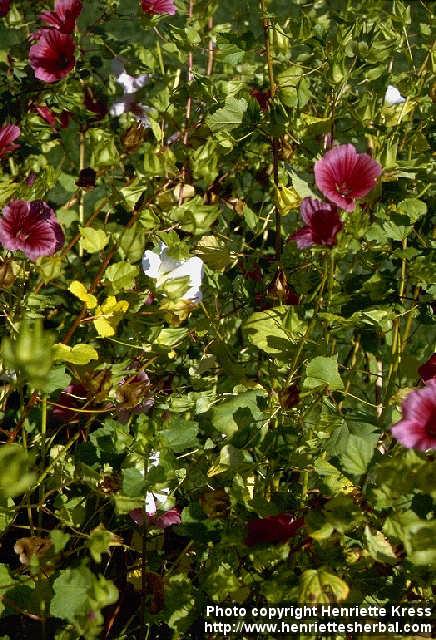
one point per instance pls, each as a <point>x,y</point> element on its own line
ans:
<point>156,7</point>
<point>63,18</point>
<point>322,224</point>
<point>343,175</point>
<point>273,529</point>
<point>97,106</point>
<point>417,429</point>
<point>279,289</point>
<point>8,134</point>
<point>30,227</point>
<point>52,57</point>
<point>5,5</point>
<point>427,371</point>
<point>167,519</point>
<point>73,397</point>
<point>289,396</point>
<point>262,98</point>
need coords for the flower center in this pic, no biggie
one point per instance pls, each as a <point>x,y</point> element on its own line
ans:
<point>343,189</point>
<point>430,427</point>
<point>22,235</point>
<point>63,61</point>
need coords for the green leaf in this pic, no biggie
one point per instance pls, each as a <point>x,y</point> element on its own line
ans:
<point>194,216</point>
<point>237,412</point>
<point>214,252</point>
<point>319,586</point>
<point>57,379</point>
<point>412,208</point>
<point>132,243</point>
<point>59,539</point>
<point>15,474</point>
<point>379,548</point>
<point>70,594</point>
<point>416,535</point>
<point>274,330</point>
<point>323,371</point>
<point>342,513</point>
<point>121,276</point>
<point>229,116</point>
<point>133,483</point>
<point>179,435</point>
<point>100,540</point>
<point>7,513</point>
<point>93,240</point>
<point>357,456</point>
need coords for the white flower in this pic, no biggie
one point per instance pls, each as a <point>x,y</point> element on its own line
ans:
<point>393,96</point>
<point>153,500</point>
<point>131,86</point>
<point>162,267</point>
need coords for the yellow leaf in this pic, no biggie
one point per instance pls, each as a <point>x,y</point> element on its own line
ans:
<point>108,315</point>
<point>79,290</point>
<point>79,354</point>
<point>287,199</point>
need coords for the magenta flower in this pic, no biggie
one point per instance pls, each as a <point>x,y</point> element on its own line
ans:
<point>273,529</point>
<point>158,7</point>
<point>322,224</point>
<point>48,115</point>
<point>5,5</point>
<point>63,18</point>
<point>417,429</point>
<point>167,519</point>
<point>72,397</point>
<point>427,371</point>
<point>52,57</point>
<point>30,227</point>
<point>343,175</point>
<point>8,134</point>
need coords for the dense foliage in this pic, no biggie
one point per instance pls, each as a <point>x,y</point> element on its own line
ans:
<point>217,291</point>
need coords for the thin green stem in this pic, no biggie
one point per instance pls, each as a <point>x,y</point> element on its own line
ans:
<point>82,159</point>
<point>142,631</point>
<point>43,455</point>
<point>266,23</point>
<point>24,434</point>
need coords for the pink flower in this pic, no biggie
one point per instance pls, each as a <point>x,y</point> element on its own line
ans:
<point>63,18</point>
<point>156,7</point>
<point>417,429</point>
<point>30,227</point>
<point>427,371</point>
<point>48,115</point>
<point>167,519</point>
<point>343,175</point>
<point>5,5</point>
<point>322,224</point>
<point>8,134</point>
<point>273,529</point>
<point>52,57</point>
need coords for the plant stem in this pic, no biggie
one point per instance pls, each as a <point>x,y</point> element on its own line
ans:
<point>210,49</point>
<point>22,410</point>
<point>82,152</point>
<point>142,629</point>
<point>43,454</point>
<point>274,141</point>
